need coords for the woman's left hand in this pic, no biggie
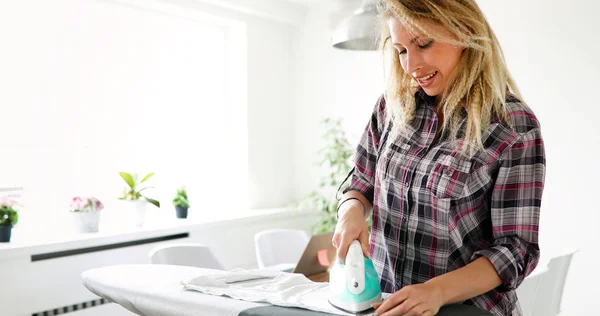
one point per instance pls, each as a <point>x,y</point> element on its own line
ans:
<point>412,300</point>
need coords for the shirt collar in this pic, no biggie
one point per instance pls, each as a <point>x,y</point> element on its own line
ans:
<point>423,99</point>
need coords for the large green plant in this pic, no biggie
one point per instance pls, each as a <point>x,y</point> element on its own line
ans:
<point>334,159</point>
<point>134,190</point>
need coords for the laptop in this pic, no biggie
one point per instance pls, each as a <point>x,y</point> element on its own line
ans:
<point>318,255</point>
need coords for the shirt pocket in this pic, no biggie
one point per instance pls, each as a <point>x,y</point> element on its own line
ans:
<point>448,177</point>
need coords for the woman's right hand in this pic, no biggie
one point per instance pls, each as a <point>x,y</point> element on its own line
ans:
<point>351,226</point>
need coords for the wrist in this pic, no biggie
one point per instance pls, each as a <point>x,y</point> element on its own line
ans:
<point>350,207</point>
<point>439,290</point>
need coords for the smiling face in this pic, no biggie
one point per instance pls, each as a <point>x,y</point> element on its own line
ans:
<point>430,63</point>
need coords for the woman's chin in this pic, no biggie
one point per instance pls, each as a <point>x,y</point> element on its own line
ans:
<point>432,91</point>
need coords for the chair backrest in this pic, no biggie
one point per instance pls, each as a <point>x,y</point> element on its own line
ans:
<point>279,246</point>
<point>550,289</point>
<point>526,292</point>
<point>193,255</point>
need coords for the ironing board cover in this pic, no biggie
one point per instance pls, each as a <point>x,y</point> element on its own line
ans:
<point>155,290</point>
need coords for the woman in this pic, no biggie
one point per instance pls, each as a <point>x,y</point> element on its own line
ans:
<point>451,167</point>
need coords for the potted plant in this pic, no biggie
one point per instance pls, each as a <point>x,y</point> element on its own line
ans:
<point>8,217</point>
<point>336,164</point>
<point>86,213</point>
<point>132,196</point>
<point>181,203</point>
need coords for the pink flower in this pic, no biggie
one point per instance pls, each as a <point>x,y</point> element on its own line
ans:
<point>85,204</point>
<point>7,201</point>
<point>77,203</point>
<point>99,205</point>
<point>182,187</point>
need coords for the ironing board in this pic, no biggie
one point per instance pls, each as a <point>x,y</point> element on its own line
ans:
<point>155,290</point>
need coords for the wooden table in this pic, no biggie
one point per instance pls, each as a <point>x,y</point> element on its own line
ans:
<point>320,277</point>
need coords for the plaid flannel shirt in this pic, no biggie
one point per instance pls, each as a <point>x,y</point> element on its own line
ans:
<point>436,210</point>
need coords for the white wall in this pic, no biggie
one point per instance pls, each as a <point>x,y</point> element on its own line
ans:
<point>270,84</point>
<point>551,48</point>
<point>330,83</point>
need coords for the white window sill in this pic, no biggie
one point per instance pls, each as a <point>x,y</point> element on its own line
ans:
<point>25,243</point>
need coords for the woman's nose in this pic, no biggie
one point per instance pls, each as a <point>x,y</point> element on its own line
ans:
<point>414,62</point>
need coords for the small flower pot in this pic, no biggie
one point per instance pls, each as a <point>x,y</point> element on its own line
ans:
<point>5,232</point>
<point>181,211</point>
<point>86,222</point>
<point>134,212</point>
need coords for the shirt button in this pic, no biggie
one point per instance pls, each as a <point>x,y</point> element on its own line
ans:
<point>448,172</point>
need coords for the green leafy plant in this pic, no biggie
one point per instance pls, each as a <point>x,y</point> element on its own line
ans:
<point>8,214</point>
<point>334,158</point>
<point>181,198</point>
<point>134,190</point>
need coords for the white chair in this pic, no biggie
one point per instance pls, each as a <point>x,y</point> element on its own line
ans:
<point>526,292</point>
<point>280,248</point>
<point>548,297</point>
<point>192,255</point>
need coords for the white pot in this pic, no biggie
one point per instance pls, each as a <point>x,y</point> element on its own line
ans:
<point>86,222</point>
<point>134,212</point>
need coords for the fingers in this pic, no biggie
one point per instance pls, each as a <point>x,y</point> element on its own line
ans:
<point>350,227</point>
<point>408,309</point>
<point>405,309</point>
<point>391,302</point>
<point>335,239</point>
<point>417,310</point>
<point>411,300</point>
<point>363,238</point>
<point>376,305</point>
<point>342,250</point>
<point>337,244</point>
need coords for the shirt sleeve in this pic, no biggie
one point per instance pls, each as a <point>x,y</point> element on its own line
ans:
<point>365,157</point>
<point>515,210</point>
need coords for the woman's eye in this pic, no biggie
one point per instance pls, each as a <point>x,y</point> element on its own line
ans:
<point>423,46</point>
<point>426,45</point>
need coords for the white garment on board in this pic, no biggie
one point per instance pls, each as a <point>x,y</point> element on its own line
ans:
<point>270,286</point>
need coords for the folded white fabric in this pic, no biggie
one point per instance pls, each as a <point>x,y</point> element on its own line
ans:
<point>270,286</point>
<point>236,275</point>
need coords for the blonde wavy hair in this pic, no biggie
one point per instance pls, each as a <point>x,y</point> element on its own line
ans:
<point>480,81</point>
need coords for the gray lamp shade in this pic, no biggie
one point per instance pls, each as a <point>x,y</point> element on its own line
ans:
<point>359,31</point>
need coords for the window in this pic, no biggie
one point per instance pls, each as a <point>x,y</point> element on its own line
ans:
<point>126,87</point>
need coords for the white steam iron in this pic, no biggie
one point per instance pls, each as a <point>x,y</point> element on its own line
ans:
<point>354,286</point>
